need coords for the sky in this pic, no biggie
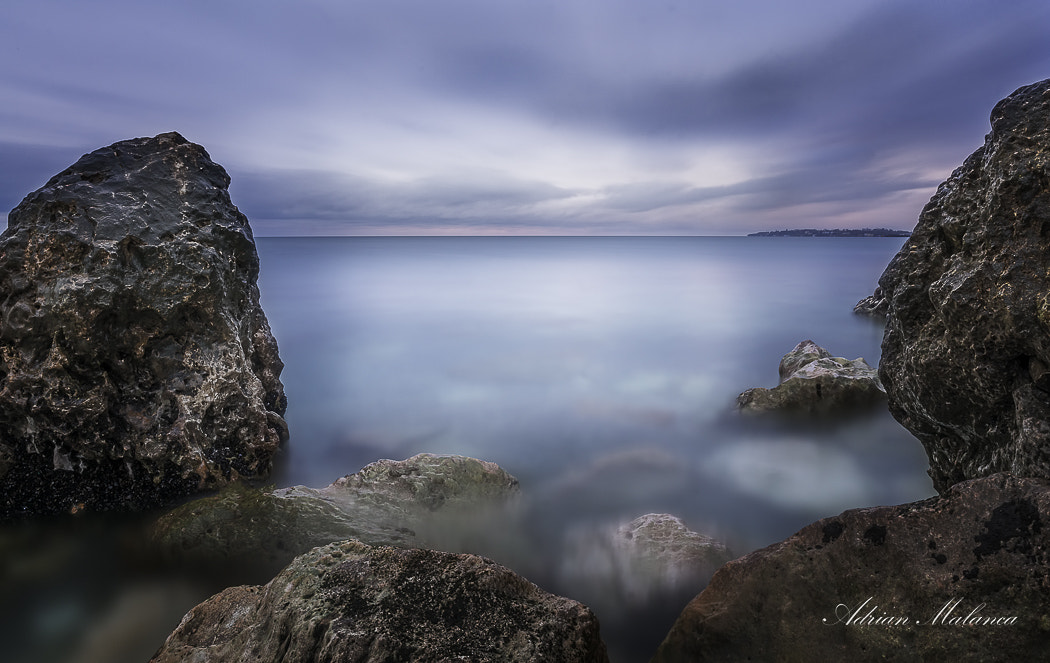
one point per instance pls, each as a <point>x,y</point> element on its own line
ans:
<point>564,117</point>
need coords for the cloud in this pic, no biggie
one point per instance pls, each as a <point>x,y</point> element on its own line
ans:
<point>348,202</point>
<point>571,116</point>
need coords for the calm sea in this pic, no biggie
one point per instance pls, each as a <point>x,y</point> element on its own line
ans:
<point>599,371</point>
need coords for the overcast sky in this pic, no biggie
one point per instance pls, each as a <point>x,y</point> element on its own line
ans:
<point>699,117</point>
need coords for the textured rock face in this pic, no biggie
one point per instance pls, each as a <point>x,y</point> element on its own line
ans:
<point>966,352</point>
<point>352,602</point>
<point>136,363</point>
<point>814,382</point>
<point>427,500</point>
<point>959,577</point>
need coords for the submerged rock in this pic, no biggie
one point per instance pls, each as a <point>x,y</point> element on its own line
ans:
<point>631,563</point>
<point>959,577</point>
<point>966,349</point>
<point>873,306</point>
<point>352,602</point>
<point>137,365</point>
<point>427,500</point>
<point>814,382</point>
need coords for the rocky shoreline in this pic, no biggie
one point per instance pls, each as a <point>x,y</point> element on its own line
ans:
<point>139,370</point>
<point>962,576</point>
<point>130,283</point>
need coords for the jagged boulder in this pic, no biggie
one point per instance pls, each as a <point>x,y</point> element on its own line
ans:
<point>136,365</point>
<point>959,577</point>
<point>814,382</point>
<point>966,351</point>
<point>352,602</point>
<point>427,500</point>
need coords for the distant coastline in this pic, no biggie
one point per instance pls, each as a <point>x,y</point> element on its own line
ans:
<point>836,232</point>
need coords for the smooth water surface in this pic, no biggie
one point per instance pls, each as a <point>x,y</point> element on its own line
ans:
<point>601,372</point>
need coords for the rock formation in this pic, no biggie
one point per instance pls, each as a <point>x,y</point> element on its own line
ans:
<point>814,382</point>
<point>136,365</point>
<point>351,602</point>
<point>966,366</point>
<point>966,352</point>
<point>427,500</point>
<point>958,577</point>
<point>873,306</point>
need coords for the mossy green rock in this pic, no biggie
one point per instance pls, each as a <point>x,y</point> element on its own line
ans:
<point>399,503</point>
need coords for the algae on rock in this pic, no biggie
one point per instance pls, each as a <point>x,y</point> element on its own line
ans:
<point>427,500</point>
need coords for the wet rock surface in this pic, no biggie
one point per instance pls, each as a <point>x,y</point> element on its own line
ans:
<point>353,602</point>
<point>137,365</point>
<point>427,500</point>
<point>814,382</point>
<point>873,306</point>
<point>966,350</point>
<point>958,577</point>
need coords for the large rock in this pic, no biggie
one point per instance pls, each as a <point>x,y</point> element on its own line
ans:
<point>352,602</point>
<point>814,382</point>
<point>959,577</point>
<point>136,363</point>
<point>427,500</point>
<point>966,351</point>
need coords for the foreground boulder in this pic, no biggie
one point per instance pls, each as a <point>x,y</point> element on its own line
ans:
<point>966,351</point>
<point>959,577</point>
<point>814,382</point>
<point>426,500</point>
<point>352,602</point>
<point>136,363</point>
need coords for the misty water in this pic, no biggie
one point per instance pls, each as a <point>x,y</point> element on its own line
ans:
<point>601,372</point>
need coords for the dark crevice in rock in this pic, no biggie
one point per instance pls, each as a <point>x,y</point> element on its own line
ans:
<point>832,531</point>
<point>1011,527</point>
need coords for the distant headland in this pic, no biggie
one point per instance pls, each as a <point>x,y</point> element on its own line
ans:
<point>836,232</point>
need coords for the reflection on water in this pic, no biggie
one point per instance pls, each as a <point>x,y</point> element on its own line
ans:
<point>600,372</point>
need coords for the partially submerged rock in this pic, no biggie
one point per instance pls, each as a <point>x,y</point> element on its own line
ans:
<point>631,563</point>
<point>814,382</point>
<point>426,500</point>
<point>966,350</point>
<point>137,365</point>
<point>873,306</point>
<point>959,577</point>
<point>352,602</point>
